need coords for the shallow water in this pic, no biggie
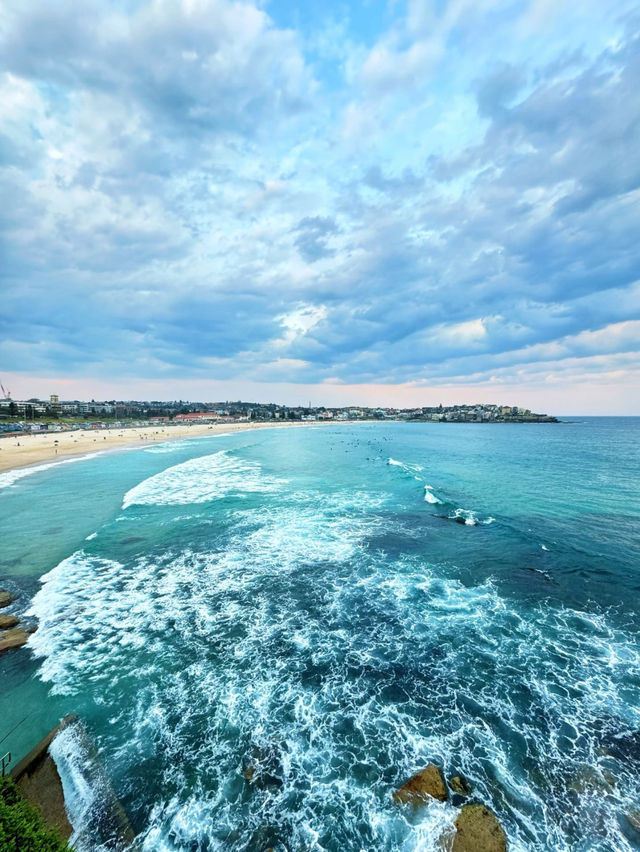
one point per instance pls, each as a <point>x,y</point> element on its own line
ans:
<point>327,610</point>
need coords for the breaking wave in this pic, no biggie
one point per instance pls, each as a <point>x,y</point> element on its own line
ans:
<point>430,497</point>
<point>200,480</point>
<point>412,469</point>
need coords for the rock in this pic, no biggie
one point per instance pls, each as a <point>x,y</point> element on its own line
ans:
<point>5,598</point>
<point>633,818</point>
<point>591,780</point>
<point>460,785</point>
<point>7,621</point>
<point>426,784</point>
<point>263,768</point>
<point>13,639</point>
<point>478,830</point>
<point>623,746</point>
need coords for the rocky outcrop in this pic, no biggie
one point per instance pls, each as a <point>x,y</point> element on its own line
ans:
<point>5,598</point>
<point>13,639</point>
<point>478,830</point>
<point>7,621</point>
<point>633,818</point>
<point>426,784</point>
<point>263,768</point>
<point>37,777</point>
<point>589,779</point>
<point>460,785</point>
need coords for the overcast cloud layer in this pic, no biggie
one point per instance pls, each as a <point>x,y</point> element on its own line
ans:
<point>433,194</point>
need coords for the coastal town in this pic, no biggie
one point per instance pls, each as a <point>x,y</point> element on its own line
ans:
<point>56,415</point>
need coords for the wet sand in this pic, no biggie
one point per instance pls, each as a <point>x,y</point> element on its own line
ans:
<point>26,450</point>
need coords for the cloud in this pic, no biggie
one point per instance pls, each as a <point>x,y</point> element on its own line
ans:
<point>312,237</point>
<point>197,190</point>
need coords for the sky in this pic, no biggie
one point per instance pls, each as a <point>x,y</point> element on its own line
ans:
<point>378,202</point>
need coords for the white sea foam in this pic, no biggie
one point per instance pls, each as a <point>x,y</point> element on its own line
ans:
<point>91,536</point>
<point>293,645</point>
<point>10,477</point>
<point>202,479</point>
<point>470,517</point>
<point>245,640</point>
<point>429,496</point>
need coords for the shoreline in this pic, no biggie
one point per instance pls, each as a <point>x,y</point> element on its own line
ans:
<point>21,451</point>
<point>24,451</point>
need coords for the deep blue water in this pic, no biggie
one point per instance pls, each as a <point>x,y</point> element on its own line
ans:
<point>298,603</point>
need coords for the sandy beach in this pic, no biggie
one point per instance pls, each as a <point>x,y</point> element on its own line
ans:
<point>26,450</point>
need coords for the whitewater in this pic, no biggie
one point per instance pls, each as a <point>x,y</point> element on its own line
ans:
<point>266,635</point>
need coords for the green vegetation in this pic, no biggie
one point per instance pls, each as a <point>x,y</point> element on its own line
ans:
<point>21,827</point>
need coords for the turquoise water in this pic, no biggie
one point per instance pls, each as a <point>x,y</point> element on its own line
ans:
<point>329,609</point>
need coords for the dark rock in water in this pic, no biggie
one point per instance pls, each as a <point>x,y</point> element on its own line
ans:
<point>13,639</point>
<point>591,780</point>
<point>426,784</point>
<point>460,785</point>
<point>623,746</point>
<point>633,817</point>
<point>263,768</point>
<point>264,839</point>
<point>7,621</point>
<point>478,830</point>
<point>262,779</point>
<point>460,520</point>
<point>5,598</point>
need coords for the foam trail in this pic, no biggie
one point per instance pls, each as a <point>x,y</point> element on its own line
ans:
<point>408,467</point>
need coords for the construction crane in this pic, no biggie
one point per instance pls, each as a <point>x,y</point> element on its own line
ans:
<point>6,394</point>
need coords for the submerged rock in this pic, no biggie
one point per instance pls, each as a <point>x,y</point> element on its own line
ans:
<point>426,784</point>
<point>478,830</point>
<point>623,746</point>
<point>7,621</point>
<point>263,768</point>
<point>460,785</point>
<point>13,639</point>
<point>589,779</point>
<point>5,598</point>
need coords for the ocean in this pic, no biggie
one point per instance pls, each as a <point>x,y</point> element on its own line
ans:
<point>267,633</point>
